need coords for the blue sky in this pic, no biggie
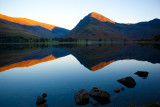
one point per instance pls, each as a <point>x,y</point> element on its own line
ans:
<point>67,13</point>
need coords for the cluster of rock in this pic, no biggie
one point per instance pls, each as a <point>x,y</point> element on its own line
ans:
<point>41,101</point>
<point>129,82</point>
<point>101,96</point>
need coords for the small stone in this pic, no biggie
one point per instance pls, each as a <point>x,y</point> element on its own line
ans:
<point>82,97</point>
<point>44,95</point>
<point>117,90</point>
<point>122,89</point>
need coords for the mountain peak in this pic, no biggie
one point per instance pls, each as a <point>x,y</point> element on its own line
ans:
<point>100,17</point>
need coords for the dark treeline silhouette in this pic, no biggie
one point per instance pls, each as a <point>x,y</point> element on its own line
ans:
<point>70,39</point>
<point>156,39</point>
<point>19,39</point>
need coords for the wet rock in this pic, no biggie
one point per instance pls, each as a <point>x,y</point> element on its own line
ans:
<point>100,96</point>
<point>42,105</point>
<point>122,89</point>
<point>82,97</point>
<point>143,74</point>
<point>128,82</point>
<point>44,95</point>
<point>94,103</point>
<point>117,90</point>
<point>40,100</point>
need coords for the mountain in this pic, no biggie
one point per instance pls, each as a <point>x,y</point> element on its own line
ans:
<point>11,32</point>
<point>96,26</point>
<point>92,27</point>
<point>34,27</point>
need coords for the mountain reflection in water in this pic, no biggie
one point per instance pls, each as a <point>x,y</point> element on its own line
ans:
<point>93,57</point>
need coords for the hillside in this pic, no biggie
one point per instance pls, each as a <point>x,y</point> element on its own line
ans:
<point>36,28</point>
<point>11,32</point>
<point>95,26</point>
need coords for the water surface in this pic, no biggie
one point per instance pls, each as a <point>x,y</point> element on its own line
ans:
<point>27,71</point>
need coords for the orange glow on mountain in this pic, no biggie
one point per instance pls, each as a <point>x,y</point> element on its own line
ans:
<point>101,17</point>
<point>101,65</point>
<point>27,63</point>
<point>129,23</point>
<point>25,21</point>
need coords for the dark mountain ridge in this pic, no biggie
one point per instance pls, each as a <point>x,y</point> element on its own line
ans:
<point>92,27</point>
<point>95,26</point>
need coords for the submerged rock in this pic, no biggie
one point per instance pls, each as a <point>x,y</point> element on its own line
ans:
<point>44,95</point>
<point>82,97</point>
<point>94,103</point>
<point>40,100</point>
<point>128,82</point>
<point>122,89</point>
<point>117,90</point>
<point>42,105</point>
<point>143,74</point>
<point>101,96</point>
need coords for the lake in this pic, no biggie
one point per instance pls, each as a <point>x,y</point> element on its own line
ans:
<point>28,71</point>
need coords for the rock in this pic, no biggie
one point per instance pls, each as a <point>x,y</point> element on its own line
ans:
<point>40,100</point>
<point>82,97</point>
<point>100,96</point>
<point>122,89</point>
<point>42,105</point>
<point>143,74</point>
<point>117,90</point>
<point>94,104</point>
<point>44,95</point>
<point>128,82</point>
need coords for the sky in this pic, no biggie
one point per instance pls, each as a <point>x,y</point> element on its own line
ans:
<point>67,13</point>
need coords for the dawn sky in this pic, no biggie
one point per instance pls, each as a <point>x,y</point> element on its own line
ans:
<point>67,13</point>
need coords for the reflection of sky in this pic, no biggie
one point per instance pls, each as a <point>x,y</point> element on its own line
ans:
<point>62,77</point>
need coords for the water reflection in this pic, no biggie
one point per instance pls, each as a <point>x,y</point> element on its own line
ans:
<point>62,77</point>
<point>27,56</point>
<point>93,57</point>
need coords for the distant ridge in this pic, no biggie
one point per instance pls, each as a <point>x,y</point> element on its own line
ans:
<point>33,27</point>
<point>26,21</point>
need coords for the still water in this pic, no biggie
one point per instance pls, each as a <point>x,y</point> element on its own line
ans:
<point>27,71</point>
